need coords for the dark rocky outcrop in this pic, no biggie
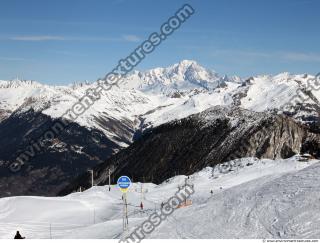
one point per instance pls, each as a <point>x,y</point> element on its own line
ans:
<point>216,135</point>
<point>60,160</point>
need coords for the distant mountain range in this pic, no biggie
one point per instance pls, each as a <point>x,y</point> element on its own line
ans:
<point>142,102</point>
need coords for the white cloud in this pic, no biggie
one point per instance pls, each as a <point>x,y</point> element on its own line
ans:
<point>127,38</point>
<point>131,38</point>
<point>37,38</point>
<point>282,55</point>
<point>12,59</point>
<point>308,57</point>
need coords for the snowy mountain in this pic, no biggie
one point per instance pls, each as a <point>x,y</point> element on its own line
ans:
<point>184,76</point>
<point>144,100</point>
<point>160,95</point>
<point>251,198</point>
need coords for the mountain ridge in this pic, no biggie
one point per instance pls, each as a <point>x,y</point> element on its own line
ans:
<point>156,98</point>
<point>216,135</point>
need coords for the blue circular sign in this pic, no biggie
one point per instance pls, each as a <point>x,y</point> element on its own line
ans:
<point>124,183</point>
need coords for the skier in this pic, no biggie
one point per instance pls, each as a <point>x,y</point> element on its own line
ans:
<point>18,236</point>
<point>141,206</point>
<point>211,192</point>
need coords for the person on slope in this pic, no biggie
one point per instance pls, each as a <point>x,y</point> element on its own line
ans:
<point>141,206</point>
<point>18,236</point>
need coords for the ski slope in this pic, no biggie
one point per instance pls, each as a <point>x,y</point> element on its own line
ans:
<point>251,199</point>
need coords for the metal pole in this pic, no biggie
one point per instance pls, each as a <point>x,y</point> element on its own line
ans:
<point>91,177</point>
<point>125,213</point>
<point>109,180</point>
<point>123,224</point>
<point>185,191</point>
<point>123,216</point>
<point>141,192</point>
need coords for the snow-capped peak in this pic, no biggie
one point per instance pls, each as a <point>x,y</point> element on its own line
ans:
<point>183,76</point>
<point>80,84</point>
<point>188,62</point>
<point>15,83</point>
<point>161,95</point>
<point>192,71</point>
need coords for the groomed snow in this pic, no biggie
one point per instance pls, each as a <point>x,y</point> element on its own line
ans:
<point>251,199</point>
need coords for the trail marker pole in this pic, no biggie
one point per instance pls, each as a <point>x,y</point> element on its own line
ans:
<point>125,214</point>
<point>124,183</point>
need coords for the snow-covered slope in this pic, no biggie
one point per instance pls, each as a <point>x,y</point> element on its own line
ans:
<point>121,106</point>
<point>267,92</point>
<point>153,97</point>
<point>277,205</point>
<point>251,198</point>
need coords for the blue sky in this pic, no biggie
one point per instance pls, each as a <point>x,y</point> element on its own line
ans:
<point>60,41</point>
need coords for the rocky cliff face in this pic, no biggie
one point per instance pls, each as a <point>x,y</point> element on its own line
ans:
<point>216,135</point>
